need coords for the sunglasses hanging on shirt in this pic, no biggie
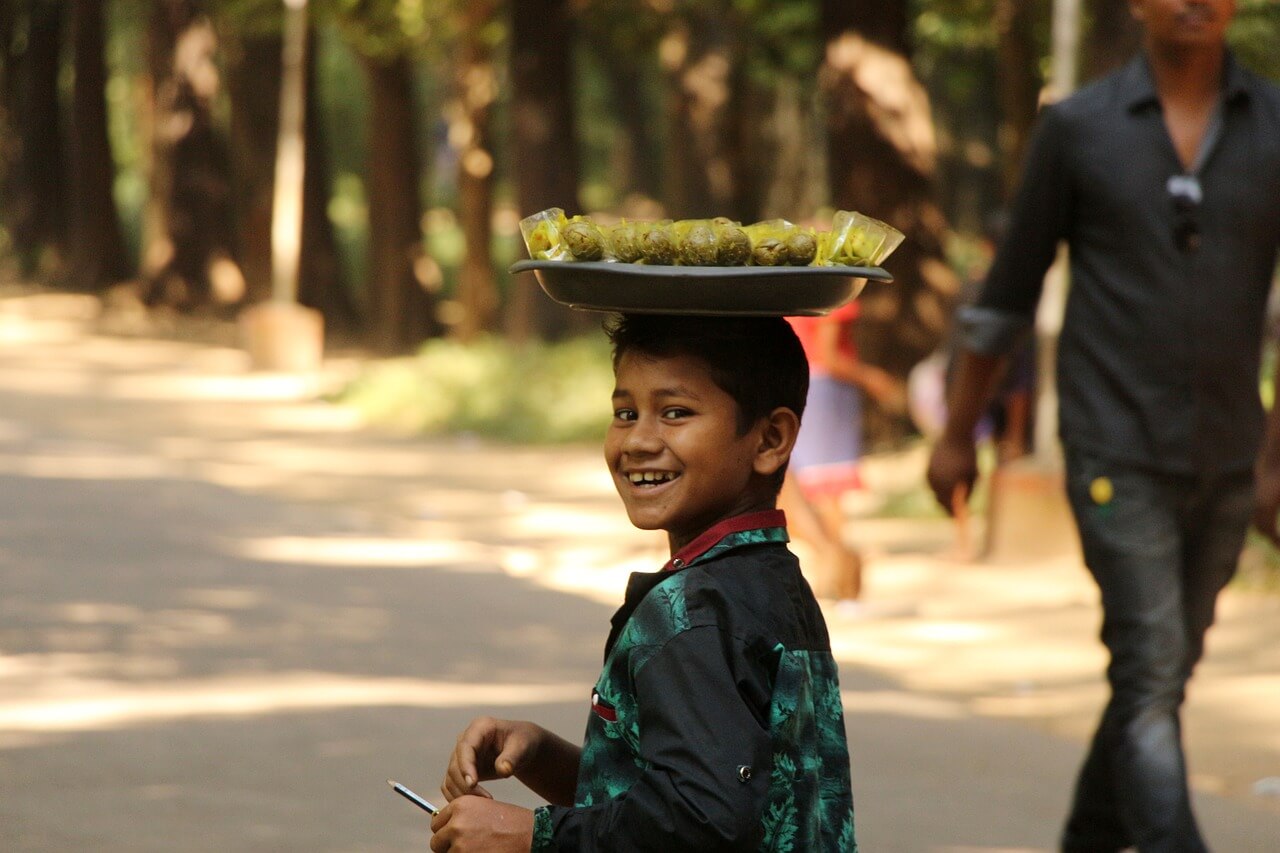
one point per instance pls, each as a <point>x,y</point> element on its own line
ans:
<point>1186,195</point>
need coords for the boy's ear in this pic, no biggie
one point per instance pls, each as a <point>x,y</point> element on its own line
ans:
<point>777,437</point>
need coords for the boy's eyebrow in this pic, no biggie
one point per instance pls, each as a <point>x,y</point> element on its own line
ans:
<point>677,391</point>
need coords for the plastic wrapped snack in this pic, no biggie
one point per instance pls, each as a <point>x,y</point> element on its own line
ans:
<point>541,232</point>
<point>623,239</point>
<point>777,242</point>
<point>583,238</point>
<point>859,240</point>
<point>657,243</point>
<point>733,246</point>
<point>695,241</point>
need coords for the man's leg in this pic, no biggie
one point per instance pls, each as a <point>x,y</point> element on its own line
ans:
<point>1132,790</point>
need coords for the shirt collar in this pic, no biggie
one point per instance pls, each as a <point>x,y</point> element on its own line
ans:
<point>1138,85</point>
<point>769,525</point>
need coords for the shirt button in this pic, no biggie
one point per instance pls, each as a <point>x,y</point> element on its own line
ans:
<point>677,563</point>
<point>744,772</point>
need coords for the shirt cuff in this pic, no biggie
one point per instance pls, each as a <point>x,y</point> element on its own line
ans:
<point>991,331</point>
<point>542,830</point>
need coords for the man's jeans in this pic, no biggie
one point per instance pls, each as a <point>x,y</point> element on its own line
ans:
<point>1161,547</point>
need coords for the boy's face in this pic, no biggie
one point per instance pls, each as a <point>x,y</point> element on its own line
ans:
<point>674,450</point>
<point>1184,23</point>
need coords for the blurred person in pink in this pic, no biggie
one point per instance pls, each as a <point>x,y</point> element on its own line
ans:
<point>825,465</point>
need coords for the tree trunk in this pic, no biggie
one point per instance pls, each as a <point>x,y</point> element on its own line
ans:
<point>253,80</point>
<point>1018,86</point>
<point>98,256</point>
<point>402,312</point>
<point>476,88</point>
<point>10,106</point>
<point>881,161</point>
<point>38,205</point>
<point>188,234</point>
<point>543,125</point>
<point>1114,37</point>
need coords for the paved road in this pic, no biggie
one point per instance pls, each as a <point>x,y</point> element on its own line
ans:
<point>229,614</point>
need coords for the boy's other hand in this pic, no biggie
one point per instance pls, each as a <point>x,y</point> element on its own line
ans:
<point>953,463</point>
<point>489,749</point>
<point>480,825</point>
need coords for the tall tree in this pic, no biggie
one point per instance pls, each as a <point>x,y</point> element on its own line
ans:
<point>98,255</point>
<point>1018,84</point>
<point>38,193</point>
<point>882,160</point>
<point>476,89</point>
<point>402,312</point>
<point>543,124</point>
<point>188,233</point>
<point>253,80</point>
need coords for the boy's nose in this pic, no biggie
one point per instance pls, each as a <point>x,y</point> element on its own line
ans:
<point>642,438</point>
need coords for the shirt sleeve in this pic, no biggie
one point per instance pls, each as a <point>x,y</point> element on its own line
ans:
<point>707,754</point>
<point>1039,219</point>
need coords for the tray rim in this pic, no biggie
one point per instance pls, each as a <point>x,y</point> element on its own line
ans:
<point>661,271</point>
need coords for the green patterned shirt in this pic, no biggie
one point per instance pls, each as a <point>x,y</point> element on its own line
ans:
<point>716,723</point>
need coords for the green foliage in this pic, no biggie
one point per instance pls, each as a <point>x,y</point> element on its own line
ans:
<point>1255,34</point>
<point>543,393</point>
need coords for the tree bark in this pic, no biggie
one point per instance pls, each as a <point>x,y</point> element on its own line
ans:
<point>188,234</point>
<point>253,80</point>
<point>402,312</point>
<point>543,125</point>
<point>1018,86</point>
<point>476,88</point>
<point>98,255</point>
<point>1114,37</point>
<point>38,204</point>
<point>882,160</point>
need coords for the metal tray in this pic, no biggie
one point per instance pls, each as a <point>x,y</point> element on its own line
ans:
<point>742,291</point>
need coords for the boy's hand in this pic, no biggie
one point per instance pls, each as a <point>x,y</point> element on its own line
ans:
<point>953,465</point>
<point>489,749</point>
<point>479,825</point>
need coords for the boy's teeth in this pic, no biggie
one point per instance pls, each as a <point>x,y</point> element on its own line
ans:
<point>650,477</point>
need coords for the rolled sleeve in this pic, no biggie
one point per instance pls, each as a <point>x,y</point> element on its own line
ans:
<point>991,331</point>
<point>707,756</point>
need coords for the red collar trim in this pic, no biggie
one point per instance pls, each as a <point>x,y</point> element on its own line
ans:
<point>713,534</point>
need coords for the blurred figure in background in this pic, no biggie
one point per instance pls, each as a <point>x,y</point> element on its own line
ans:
<point>1164,180</point>
<point>825,462</point>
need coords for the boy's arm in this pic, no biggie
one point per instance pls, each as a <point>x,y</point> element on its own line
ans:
<point>708,758</point>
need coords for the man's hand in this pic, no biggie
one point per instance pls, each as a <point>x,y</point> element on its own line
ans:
<point>952,465</point>
<point>490,749</point>
<point>481,825</point>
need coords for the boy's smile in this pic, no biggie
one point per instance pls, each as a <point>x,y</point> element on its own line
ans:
<point>674,450</point>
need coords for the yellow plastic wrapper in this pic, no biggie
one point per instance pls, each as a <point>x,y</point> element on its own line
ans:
<point>542,235</point>
<point>859,240</point>
<point>733,246</point>
<point>695,242</point>
<point>623,241</point>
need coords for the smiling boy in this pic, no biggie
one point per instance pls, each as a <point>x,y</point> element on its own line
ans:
<point>716,723</point>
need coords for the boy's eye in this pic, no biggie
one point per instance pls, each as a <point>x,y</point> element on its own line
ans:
<point>674,412</point>
<point>624,415</point>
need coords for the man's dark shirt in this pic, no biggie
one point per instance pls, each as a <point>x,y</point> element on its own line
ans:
<point>1159,353</point>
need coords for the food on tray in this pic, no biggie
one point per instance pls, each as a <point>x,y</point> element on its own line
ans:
<point>854,239</point>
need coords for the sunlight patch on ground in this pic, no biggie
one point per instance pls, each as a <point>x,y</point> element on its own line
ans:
<point>87,462</point>
<point>117,706</point>
<point>900,703</point>
<point>364,552</point>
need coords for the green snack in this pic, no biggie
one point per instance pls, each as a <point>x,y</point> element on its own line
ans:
<point>733,246</point>
<point>769,252</point>
<point>656,245</point>
<point>802,247</point>
<point>696,243</point>
<point>624,242</point>
<point>583,238</point>
<point>859,240</point>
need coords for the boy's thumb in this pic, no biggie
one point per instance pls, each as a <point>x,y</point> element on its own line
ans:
<point>508,760</point>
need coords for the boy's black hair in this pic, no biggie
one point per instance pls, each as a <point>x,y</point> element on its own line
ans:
<point>758,361</point>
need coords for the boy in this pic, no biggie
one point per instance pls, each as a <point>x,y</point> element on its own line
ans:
<point>716,723</point>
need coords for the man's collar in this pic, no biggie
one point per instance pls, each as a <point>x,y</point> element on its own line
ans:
<point>1138,85</point>
<point>768,519</point>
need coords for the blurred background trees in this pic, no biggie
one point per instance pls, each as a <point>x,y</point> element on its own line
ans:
<point>137,142</point>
